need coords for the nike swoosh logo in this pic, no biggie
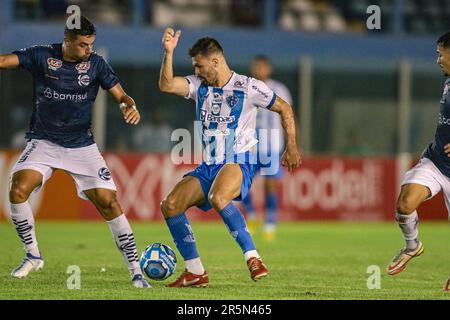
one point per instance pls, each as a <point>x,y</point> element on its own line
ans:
<point>188,283</point>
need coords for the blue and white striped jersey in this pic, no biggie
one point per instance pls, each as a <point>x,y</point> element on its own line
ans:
<point>228,116</point>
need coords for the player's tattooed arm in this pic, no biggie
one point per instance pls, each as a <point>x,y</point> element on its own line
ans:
<point>9,61</point>
<point>291,157</point>
<point>127,104</point>
<point>167,81</point>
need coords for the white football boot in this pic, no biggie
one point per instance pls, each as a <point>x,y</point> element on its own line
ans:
<point>28,264</point>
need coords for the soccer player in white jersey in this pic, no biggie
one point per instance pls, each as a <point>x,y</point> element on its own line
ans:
<point>226,106</point>
<point>430,176</point>
<point>66,79</point>
<point>270,147</point>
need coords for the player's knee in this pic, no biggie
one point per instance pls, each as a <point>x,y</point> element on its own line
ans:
<point>406,205</point>
<point>169,206</point>
<point>18,193</point>
<point>217,200</point>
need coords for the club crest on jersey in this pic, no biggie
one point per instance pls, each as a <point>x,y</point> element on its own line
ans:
<point>232,101</point>
<point>54,64</point>
<point>83,67</point>
<point>84,80</point>
<point>104,174</point>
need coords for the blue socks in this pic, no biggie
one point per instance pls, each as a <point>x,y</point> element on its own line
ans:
<point>248,204</point>
<point>235,223</point>
<point>183,236</point>
<point>271,208</point>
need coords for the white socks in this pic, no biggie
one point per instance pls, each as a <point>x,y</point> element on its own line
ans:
<point>408,224</point>
<point>124,238</point>
<point>23,219</point>
<point>250,254</point>
<point>195,266</point>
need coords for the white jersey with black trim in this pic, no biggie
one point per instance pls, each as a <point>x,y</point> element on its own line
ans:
<point>272,138</point>
<point>228,115</point>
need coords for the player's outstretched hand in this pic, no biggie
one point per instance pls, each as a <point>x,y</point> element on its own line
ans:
<point>447,149</point>
<point>170,39</point>
<point>291,158</point>
<point>130,113</point>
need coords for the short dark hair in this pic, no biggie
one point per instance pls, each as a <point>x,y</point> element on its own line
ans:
<point>205,46</point>
<point>444,40</point>
<point>87,28</point>
<point>261,57</point>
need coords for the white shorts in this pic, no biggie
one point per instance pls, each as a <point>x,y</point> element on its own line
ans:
<point>427,174</point>
<point>86,165</point>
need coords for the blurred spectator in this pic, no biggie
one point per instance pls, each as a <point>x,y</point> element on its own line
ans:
<point>190,13</point>
<point>115,12</point>
<point>54,9</point>
<point>312,16</point>
<point>153,134</point>
<point>248,13</point>
<point>26,9</point>
<point>355,144</point>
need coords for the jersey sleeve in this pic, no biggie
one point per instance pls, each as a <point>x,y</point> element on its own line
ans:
<point>106,75</point>
<point>260,94</point>
<point>28,57</point>
<point>194,84</point>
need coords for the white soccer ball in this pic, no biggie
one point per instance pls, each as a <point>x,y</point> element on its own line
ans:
<point>158,261</point>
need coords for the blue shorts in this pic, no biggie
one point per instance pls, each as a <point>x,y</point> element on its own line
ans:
<point>270,169</point>
<point>207,173</point>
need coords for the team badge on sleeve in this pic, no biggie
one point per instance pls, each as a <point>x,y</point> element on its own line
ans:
<point>104,174</point>
<point>54,64</point>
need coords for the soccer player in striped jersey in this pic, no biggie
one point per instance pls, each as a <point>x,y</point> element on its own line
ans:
<point>270,147</point>
<point>66,78</point>
<point>226,107</point>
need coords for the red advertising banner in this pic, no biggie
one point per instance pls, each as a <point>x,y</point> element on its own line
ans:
<point>323,188</point>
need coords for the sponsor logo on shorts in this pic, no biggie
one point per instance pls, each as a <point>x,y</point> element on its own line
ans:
<point>54,64</point>
<point>104,174</point>
<point>28,152</point>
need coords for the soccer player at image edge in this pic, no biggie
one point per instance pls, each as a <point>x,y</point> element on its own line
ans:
<point>66,79</point>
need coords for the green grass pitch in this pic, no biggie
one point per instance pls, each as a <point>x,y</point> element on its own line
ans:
<point>306,261</point>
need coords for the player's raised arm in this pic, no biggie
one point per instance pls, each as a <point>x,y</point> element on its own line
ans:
<point>167,82</point>
<point>9,61</point>
<point>127,104</point>
<point>291,157</point>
